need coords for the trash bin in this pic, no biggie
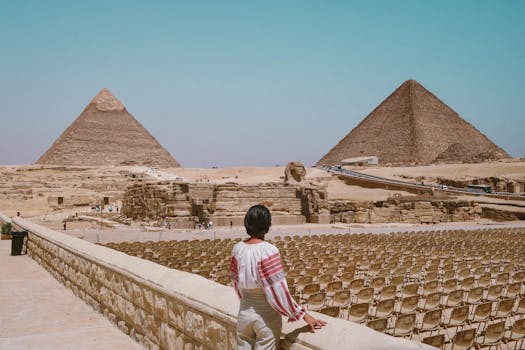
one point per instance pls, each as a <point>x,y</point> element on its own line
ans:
<point>17,242</point>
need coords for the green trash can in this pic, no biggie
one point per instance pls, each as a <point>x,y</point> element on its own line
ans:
<point>17,242</point>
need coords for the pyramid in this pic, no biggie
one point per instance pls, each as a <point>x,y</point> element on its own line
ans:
<point>106,134</point>
<point>412,126</point>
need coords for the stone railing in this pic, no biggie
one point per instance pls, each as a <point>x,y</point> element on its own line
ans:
<point>163,308</point>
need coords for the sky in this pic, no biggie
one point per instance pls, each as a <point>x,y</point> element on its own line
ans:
<point>254,83</point>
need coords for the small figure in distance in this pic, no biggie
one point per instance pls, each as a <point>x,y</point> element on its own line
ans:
<point>260,283</point>
<point>65,225</point>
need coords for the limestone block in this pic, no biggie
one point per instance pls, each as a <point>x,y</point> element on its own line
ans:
<point>216,335</point>
<point>147,297</point>
<point>194,325</point>
<point>168,336</point>
<point>152,328</point>
<point>161,308</point>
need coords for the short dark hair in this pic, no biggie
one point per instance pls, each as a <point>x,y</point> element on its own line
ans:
<point>257,221</point>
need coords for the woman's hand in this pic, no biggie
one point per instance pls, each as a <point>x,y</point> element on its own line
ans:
<point>313,322</point>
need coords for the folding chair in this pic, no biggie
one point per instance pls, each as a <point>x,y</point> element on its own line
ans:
<point>517,333</point>
<point>464,340</point>
<point>437,341</point>
<point>332,311</point>
<point>404,325</point>
<point>378,324</point>
<point>358,312</point>
<point>493,334</point>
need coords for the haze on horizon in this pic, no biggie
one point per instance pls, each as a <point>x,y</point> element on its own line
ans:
<point>254,84</point>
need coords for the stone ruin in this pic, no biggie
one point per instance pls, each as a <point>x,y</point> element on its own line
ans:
<point>185,204</point>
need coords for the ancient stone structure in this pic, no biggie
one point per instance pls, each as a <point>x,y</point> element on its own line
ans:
<point>185,204</point>
<point>406,211</point>
<point>106,134</point>
<point>412,126</point>
<point>294,172</point>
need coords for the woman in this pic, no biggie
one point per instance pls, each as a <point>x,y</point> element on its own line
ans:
<point>260,283</point>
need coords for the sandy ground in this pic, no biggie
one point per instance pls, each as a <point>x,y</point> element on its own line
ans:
<point>40,313</point>
<point>510,170</point>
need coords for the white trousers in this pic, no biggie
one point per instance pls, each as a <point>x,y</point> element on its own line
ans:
<point>258,324</point>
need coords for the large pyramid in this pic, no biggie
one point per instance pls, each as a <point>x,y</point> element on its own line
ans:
<point>412,126</point>
<point>106,134</point>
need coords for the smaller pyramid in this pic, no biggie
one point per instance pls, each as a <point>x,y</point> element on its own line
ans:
<point>106,134</point>
<point>413,126</point>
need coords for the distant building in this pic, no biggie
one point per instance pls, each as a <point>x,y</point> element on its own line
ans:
<point>360,161</point>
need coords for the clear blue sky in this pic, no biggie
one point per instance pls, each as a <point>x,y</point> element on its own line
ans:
<point>255,83</point>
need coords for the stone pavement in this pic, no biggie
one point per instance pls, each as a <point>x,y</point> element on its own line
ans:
<point>37,312</point>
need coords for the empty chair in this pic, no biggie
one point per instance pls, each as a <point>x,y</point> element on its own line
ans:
<point>303,281</point>
<point>517,334</point>
<point>494,292</point>
<point>504,308</point>
<point>479,271</point>
<point>467,283</point>
<point>485,280</point>
<point>458,317</point>
<point>450,285</point>
<point>378,324</point>
<point>474,295</point>
<point>430,287</point>
<point>502,278</point>
<point>432,301</point>
<point>481,312</point>
<point>493,334</point>
<point>341,298</point>
<point>385,308</point>
<point>325,279</point>
<point>356,285</point>
<point>454,298</point>
<point>512,290</point>
<point>431,275</point>
<point>377,283</point>
<point>519,276</point>
<point>431,321</point>
<point>464,273</point>
<point>464,340</point>
<point>408,304</point>
<point>520,309</point>
<point>315,301</point>
<point>333,287</point>
<point>365,295</point>
<point>397,281</point>
<point>332,311</point>
<point>358,312</point>
<point>404,325</point>
<point>387,292</point>
<point>409,290</point>
<point>310,289</point>
<point>437,341</point>
<point>346,278</point>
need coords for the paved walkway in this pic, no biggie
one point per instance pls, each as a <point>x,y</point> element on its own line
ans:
<point>37,312</point>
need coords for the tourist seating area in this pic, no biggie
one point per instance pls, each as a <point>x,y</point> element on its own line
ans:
<point>453,289</point>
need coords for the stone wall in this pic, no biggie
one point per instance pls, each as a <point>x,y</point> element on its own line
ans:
<point>185,204</point>
<point>413,212</point>
<point>162,308</point>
